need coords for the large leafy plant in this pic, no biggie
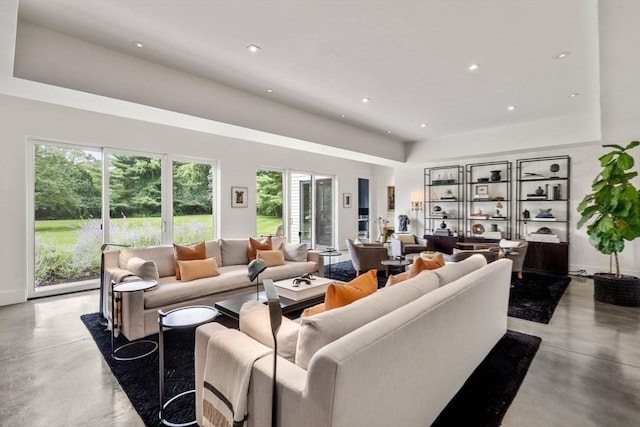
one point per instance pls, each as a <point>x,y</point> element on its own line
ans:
<point>614,204</point>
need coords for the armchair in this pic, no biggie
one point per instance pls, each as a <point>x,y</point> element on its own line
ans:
<point>406,243</point>
<point>366,256</point>
<point>516,251</point>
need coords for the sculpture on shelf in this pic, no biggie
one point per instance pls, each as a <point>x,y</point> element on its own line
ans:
<point>403,221</point>
<point>495,176</point>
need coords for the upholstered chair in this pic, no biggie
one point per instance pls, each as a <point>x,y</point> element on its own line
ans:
<point>367,256</point>
<point>516,251</point>
<point>407,243</point>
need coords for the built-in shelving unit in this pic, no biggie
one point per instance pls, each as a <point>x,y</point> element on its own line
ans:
<point>542,205</point>
<point>488,200</point>
<point>444,200</point>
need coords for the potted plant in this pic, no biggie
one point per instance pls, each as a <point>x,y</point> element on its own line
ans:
<point>613,207</point>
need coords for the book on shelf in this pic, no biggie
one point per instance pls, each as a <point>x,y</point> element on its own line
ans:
<point>545,218</point>
<point>448,198</point>
<point>536,197</point>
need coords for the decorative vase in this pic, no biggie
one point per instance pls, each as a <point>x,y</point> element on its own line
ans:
<point>539,191</point>
<point>495,176</point>
<point>624,291</point>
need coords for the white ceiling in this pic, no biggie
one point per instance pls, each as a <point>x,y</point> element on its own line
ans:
<point>409,57</point>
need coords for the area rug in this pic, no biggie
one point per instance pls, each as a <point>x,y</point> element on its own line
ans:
<point>534,297</point>
<point>482,401</point>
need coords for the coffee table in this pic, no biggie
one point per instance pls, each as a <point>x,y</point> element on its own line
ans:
<point>394,263</point>
<point>231,307</point>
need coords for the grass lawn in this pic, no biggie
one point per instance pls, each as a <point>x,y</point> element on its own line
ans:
<point>64,232</point>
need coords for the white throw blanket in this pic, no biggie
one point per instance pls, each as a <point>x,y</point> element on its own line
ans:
<point>226,377</point>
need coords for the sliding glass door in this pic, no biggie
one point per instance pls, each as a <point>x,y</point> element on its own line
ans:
<point>312,209</point>
<point>133,199</point>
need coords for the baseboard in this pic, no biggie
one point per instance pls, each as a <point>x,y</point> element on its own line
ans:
<point>14,296</point>
<point>589,270</point>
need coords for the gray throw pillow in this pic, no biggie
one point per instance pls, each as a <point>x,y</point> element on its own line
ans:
<point>146,269</point>
<point>295,252</point>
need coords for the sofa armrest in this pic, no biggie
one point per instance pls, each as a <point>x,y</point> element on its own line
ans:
<point>314,256</point>
<point>421,241</point>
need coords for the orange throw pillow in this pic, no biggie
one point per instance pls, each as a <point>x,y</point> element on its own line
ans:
<point>341,295</point>
<point>420,264</point>
<point>188,253</point>
<point>316,309</point>
<point>254,245</point>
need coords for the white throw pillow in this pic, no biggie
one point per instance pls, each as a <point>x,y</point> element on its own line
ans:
<point>254,321</point>
<point>406,238</point>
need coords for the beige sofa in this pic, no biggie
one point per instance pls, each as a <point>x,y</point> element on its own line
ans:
<point>140,309</point>
<point>396,357</point>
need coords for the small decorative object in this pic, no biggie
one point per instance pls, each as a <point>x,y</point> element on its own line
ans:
<point>403,221</point>
<point>347,200</point>
<point>477,229</point>
<point>494,227</point>
<point>543,230</point>
<point>545,213</point>
<point>539,191</point>
<point>437,208</point>
<point>239,197</point>
<point>554,168</point>
<point>382,223</point>
<point>443,225</point>
<point>495,176</point>
<point>526,215</point>
<point>254,268</point>
<point>483,179</point>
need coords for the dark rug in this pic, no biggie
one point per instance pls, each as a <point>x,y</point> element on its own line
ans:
<point>482,401</point>
<point>534,297</point>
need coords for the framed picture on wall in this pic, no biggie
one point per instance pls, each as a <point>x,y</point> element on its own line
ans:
<point>391,198</point>
<point>347,200</point>
<point>239,197</point>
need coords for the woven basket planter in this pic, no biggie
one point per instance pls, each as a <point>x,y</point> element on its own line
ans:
<point>624,291</point>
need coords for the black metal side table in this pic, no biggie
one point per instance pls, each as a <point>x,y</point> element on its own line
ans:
<point>133,286</point>
<point>179,318</point>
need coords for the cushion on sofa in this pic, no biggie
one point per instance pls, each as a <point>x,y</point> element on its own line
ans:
<point>272,257</point>
<point>405,237</point>
<point>454,271</point>
<point>323,328</point>
<point>397,278</point>
<point>234,252</point>
<point>294,251</point>
<point>144,268</point>
<point>213,249</point>
<point>162,255</point>
<point>255,322</point>
<point>254,245</point>
<point>188,253</point>
<point>420,264</point>
<point>197,269</point>
<point>341,295</point>
<point>276,241</point>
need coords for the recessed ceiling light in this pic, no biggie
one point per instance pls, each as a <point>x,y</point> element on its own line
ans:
<point>573,95</point>
<point>563,55</point>
<point>389,131</point>
<point>343,115</point>
<point>270,90</point>
<point>423,125</point>
<point>366,100</point>
<point>253,48</point>
<point>511,107</point>
<point>137,44</point>
<point>474,67</point>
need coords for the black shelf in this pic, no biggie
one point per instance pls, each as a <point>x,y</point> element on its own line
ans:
<point>433,189</point>
<point>494,188</point>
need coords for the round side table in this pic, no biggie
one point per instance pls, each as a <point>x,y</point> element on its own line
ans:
<point>133,286</point>
<point>179,318</point>
<point>330,253</point>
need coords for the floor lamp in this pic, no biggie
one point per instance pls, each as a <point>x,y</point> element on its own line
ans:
<point>101,318</point>
<point>275,317</point>
<point>256,267</point>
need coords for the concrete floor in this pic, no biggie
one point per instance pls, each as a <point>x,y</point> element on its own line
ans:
<point>586,373</point>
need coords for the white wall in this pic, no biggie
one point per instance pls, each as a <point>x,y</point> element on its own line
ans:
<point>238,162</point>
<point>584,167</point>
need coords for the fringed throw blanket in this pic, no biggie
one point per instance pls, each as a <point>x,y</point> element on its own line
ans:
<point>226,377</point>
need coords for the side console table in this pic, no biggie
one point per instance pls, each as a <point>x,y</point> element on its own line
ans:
<point>179,318</point>
<point>133,286</point>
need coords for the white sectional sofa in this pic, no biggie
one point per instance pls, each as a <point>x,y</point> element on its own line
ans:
<point>396,357</point>
<point>139,310</point>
